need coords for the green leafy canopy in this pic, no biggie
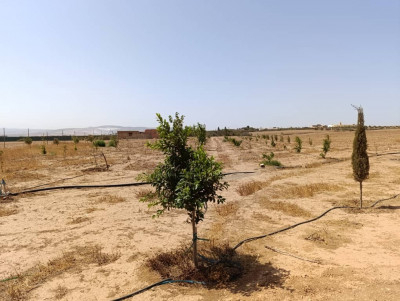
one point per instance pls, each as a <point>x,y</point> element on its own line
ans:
<point>359,157</point>
<point>188,178</point>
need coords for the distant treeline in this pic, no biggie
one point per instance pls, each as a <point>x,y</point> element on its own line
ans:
<point>246,131</point>
<point>232,132</point>
<point>60,138</point>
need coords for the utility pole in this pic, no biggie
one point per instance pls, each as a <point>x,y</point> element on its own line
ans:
<point>47,138</point>
<point>4,137</point>
<point>28,132</point>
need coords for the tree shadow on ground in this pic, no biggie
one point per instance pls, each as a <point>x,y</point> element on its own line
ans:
<point>220,267</point>
<point>255,276</point>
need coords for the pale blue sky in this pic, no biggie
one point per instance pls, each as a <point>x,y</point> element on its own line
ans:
<point>223,63</point>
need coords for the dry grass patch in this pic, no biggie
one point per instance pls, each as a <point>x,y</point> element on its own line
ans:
<point>148,194</point>
<point>313,165</point>
<point>60,292</point>
<point>24,176</point>
<point>141,165</point>
<point>111,199</point>
<point>225,160</point>
<point>250,187</point>
<point>7,211</point>
<point>178,264</point>
<point>225,210</point>
<point>78,220</point>
<point>285,207</point>
<point>19,288</point>
<point>327,238</point>
<point>92,209</point>
<point>302,191</point>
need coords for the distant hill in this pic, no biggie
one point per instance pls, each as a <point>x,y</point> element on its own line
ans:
<point>93,130</point>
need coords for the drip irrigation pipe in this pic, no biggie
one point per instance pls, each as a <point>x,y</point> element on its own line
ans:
<point>77,187</point>
<point>237,172</point>
<point>291,255</point>
<point>213,262</point>
<point>100,186</point>
<point>166,281</point>
<point>310,220</point>
<point>289,227</point>
<point>60,180</point>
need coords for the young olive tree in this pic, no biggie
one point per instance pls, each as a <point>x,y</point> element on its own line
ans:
<point>298,144</point>
<point>326,146</point>
<point>359,158</point>
<point>200,132</point>
<point>28,140</point>
<point>188,178</point>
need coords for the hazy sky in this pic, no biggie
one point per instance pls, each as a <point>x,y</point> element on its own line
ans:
<point>223,63</point>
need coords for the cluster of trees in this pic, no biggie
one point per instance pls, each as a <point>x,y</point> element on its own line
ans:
<point>188,178</point>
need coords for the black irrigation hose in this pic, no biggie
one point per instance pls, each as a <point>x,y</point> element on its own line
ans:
<point>165,281</point>
<point>60,180</point>
<point>310,220</point>
<point>100,186</point>
<point>378,201</point>
<point>78,187</point>
<point>236,172</point>
<point>289,227</point>
<point>143,290</point>
<point>249,240</point>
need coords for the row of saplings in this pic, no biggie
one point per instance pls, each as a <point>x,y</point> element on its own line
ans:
<point>96,142</point>
<point>268,159</point>
<point>188,179</point>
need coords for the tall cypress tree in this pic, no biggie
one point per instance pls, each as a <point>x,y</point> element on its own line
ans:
<point>359,158</point>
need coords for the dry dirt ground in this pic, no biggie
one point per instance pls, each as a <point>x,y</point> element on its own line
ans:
<point>92,244</point>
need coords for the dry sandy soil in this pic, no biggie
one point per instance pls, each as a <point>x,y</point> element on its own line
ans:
<point>92,244</point>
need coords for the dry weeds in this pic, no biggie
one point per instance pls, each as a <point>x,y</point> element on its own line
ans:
<point>327,238</point>
<point>302,191</point>
<point>7,211</point>
<point>142,165</point>
<point>111,199</point>
<point>226,210</point>
<point>285,207</point>
<point>313,165</point>
<point>60,292</point>
<point>19,288</point>
<point>178,264</point>
<point>78,220</point>
<point>225,160</point>
<point>147,193</point>
<point>92,209</point>
<point>250,187</point>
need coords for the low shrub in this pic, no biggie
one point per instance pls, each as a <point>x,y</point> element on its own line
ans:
<point>113,141</point>
<point>268,160</point>
<point>43,149</point>
<point>233,140</point>
<point>326,146</point>
<point>298,145</point>
<point>99,143</point>
<point>28,140</point>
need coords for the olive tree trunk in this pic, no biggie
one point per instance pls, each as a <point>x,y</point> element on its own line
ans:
<point>194,228</point>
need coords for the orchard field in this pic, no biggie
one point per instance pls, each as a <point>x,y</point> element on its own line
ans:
<point>94,244</point>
